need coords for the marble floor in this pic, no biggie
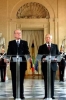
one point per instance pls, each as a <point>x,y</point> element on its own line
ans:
<point>33,90</point>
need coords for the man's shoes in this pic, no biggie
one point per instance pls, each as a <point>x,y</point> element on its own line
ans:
<point>23,97</point>
<point>17,99</point>
<point>61,80</point>
<point>53,97</point>
<point>44,97</point>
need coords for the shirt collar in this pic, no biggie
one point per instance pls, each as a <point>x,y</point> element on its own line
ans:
<point>48,44</point>
<point>18,40</point>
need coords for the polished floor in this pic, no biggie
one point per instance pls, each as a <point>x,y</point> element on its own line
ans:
<point>33,90</point>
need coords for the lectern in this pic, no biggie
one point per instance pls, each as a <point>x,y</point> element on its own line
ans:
<point>49,59</point>
<point>18,59</point>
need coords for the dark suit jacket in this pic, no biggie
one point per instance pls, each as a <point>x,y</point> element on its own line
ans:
<point>22,50</point>
<point>44,50</point>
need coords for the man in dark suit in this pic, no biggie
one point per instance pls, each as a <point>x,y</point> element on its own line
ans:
<point>21,49</point>
<point>53,50</point>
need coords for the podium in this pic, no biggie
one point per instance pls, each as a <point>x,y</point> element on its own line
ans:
<point>18,59</point>
<point>49,59</point>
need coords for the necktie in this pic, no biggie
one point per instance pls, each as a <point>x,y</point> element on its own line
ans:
<point>48,47</point>
<point>18,43</point>
<point>17,47</point>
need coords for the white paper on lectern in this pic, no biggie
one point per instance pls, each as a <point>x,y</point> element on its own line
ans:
<point>50,57</point>
<point>58,58</point>
<point>15,59</point>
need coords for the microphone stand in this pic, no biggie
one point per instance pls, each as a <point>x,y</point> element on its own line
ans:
<point>49,78</point>
<point>17,76</point>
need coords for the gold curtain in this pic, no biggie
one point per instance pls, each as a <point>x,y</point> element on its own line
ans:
<point>33,35</point>
<point>36,35</point>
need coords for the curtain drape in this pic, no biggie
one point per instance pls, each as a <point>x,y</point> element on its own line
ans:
<point>33,35</point>
<point>36,36</point>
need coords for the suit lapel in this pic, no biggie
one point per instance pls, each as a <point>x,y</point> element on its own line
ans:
<point>46,47</point>
<point>14,43</point>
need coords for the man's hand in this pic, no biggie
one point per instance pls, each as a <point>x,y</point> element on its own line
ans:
<point>43,60</point>
<point>6,60</point>
<point>30,59</point>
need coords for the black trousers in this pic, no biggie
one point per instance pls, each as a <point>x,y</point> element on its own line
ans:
<point>61,73</point>
<point>52,82</point>
<point>22,74</point>
<point>3,73</point>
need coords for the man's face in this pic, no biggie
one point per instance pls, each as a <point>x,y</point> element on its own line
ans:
<point>18,34</point>
<point>48,38</point>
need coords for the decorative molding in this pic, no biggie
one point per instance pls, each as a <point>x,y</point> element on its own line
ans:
<point>32,10</point>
